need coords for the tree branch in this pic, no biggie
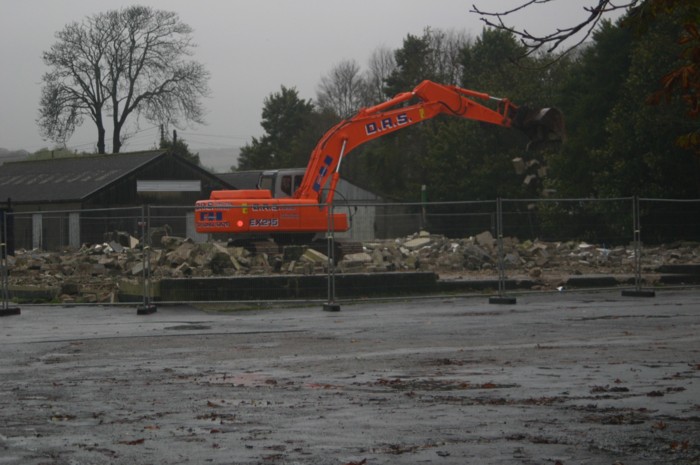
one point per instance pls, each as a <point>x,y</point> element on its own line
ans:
<point>552,41</point>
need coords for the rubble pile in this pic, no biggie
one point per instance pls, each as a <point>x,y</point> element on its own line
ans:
<point>93,273</point>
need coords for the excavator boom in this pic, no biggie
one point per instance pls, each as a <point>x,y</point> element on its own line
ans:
<point>256,211</point>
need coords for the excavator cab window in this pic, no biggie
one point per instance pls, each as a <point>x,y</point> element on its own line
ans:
<point>266,182</point>
<point>286,185</point>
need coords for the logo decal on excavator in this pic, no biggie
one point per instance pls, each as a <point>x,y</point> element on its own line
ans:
<point>264,223</point>
<point>322,173</point>
<point>211,216</point>
<point>386,123</point>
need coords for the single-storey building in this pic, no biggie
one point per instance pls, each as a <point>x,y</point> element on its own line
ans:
<point>70,201</point>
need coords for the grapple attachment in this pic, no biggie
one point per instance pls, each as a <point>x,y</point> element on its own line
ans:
<point>543,126</point>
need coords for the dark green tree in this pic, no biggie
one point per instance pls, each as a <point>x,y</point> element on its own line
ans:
<point>257,155</point>
<point>681,80</point>
<point>385,165</point>
<point>587,94</point>
<point>395,163</point>
<point>470,161</point>
<point>467,160</point>
<point>618,144</point>
<point>435,56</point>
<point>641,155</point>
<point>181,148</point>
<point>411,65</point>
<point>285,117</point>
<point>489,66</point>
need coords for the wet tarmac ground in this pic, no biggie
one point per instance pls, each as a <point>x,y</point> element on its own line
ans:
<point>560,379</point>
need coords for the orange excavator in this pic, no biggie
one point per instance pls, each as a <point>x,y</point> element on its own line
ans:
<point>256,212</point>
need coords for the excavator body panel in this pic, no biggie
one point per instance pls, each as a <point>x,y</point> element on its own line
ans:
<point>247,212</point>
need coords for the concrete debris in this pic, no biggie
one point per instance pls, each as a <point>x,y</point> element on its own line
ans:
<point>314,256</point>
<point>362,257</point>
<point>417,243</point>
<point>485,239</point>
<point>96,270</point>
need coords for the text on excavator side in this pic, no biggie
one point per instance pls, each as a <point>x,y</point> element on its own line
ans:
<point>386,123</point>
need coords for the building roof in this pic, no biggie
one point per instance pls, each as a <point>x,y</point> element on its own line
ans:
<point>249,180</point>
<point>67,179</point>
<point>242,179</point>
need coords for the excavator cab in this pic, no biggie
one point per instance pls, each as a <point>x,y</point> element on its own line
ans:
<point>282,183</point>
<point>544,126</point>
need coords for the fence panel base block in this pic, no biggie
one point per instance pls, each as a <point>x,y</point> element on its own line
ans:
<point>10,311</point>
<point>638,293</point>
<point>146,309</point>
<point>502,300</point>
<point>331,307</point>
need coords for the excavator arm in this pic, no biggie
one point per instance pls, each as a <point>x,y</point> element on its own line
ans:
<point>390,116</point>
<point>256,210</point>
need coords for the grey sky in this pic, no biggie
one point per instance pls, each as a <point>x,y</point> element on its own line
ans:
<point>250,47</point>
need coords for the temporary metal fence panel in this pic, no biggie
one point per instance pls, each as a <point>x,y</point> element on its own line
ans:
<point>667,221</point>
<point>111,225</point>
<point>546,243</point>
<point>605,222</point>
<point>166,220</point>
<point>57,230</point>
<point>669,231</point>
<point>22,231</point>
<point>228,267</point>
<point>569,243</point>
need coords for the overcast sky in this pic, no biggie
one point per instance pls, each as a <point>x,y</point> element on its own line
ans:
<point>250,47</point>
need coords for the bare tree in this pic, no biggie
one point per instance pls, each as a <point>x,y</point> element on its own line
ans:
<point>342,90</point>
<point>380,66</point>
<point>124,62</point>
<point>445,53</point>
<point>580,31</point>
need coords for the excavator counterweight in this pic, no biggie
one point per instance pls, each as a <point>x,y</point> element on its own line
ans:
<point>256,212</point>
